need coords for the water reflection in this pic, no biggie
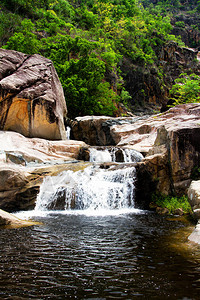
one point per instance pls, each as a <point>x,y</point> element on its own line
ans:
<point>113,257</point>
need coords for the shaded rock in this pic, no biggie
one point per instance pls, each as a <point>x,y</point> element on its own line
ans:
<point>90,130</point>
<point>146,85</point>
<point>15,158</point>
<point>162,210</point>
<point>31,96</point>
<point>96,130</point>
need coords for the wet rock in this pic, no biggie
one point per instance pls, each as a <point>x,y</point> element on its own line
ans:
<point>194,195</point>
<point>162,210</point>
<point>90,130</point>
<point>15,158</point>
<point>195,235</point>
<point>9,219</point>
<point>31,96</point>
<point>179,212</point>
<point>20,184</point>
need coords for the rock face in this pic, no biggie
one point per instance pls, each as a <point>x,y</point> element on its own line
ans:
<point>194,198</point>
<point>31,96</point>
<point>148,86</point>
<point>97,130</point>
<point>169,141</point>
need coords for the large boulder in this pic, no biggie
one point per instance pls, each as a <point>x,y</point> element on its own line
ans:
<point>97,130</point>
<point>194,197</point>
<point>31,96</point>
<point>16,148</point>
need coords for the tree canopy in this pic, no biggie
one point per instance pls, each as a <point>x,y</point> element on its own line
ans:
<point>86,40</point>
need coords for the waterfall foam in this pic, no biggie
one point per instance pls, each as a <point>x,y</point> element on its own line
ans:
<point>68,131</point>
<point>111,155</point>
<point>93,188</point>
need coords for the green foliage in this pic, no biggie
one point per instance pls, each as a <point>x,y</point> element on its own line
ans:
<point>125,97</point>
<point>87,40</point>
<point>186,89</point>
<point>24,40</point>
<point>180,24</point>
<point>172,203</point>
<point>8,25</point>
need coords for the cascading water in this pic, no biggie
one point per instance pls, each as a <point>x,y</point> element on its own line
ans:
<point>93,188</point>
<point>111,155</point>
<point>68,131</point>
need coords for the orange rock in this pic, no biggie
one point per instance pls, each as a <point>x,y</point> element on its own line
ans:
<point>31,96</point>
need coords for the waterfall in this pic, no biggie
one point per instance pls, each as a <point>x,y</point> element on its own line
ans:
<point>112,155</point>
<point>95,188</point>
<point>131,155</point>
<point>68,130</point>
<point>100,155</point>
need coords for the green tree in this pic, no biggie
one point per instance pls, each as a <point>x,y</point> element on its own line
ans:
<point>186,89</point>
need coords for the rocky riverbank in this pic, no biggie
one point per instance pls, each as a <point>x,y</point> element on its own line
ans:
<point>32,105</point>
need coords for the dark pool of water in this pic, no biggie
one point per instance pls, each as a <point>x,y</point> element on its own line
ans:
<point>132,256</point>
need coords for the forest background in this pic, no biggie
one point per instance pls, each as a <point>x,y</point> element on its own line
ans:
<point>89,41</point>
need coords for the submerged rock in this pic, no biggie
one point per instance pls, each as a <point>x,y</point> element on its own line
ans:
<point>31,96</point>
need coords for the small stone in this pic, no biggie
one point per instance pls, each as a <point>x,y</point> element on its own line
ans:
<point>179,212</point>
<point>162,210</point>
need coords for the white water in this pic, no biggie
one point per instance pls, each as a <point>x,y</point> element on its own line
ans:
<point>68,131</point>
<point>92,188</point>
<point>92,191</point>
<point>109,155</point>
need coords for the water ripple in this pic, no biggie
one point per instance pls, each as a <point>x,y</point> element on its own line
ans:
<point>81,257</point>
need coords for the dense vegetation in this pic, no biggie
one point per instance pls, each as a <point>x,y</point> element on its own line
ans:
<point>171,203</point>
<point>87,41</point>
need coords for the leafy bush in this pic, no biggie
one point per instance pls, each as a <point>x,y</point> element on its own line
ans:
<point>172,203</point>
<point>186,89</point>
<point>180,24</point>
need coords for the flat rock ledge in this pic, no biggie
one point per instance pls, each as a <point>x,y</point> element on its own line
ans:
<point>194,198</point>
<point>11,220</point>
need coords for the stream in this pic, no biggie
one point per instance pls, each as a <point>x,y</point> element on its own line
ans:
<point>94,244</point>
